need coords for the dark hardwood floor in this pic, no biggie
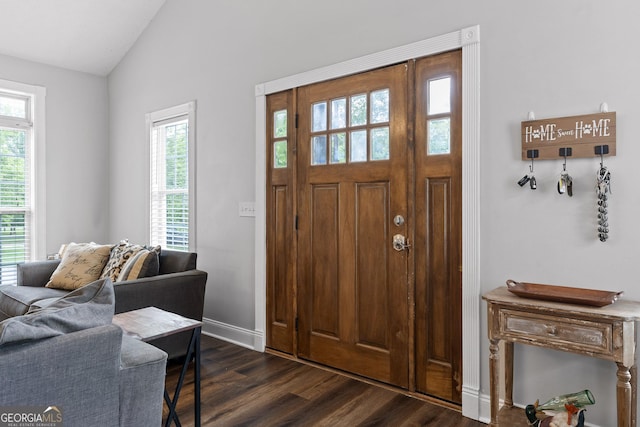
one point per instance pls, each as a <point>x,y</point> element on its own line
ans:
<point>241,387</point>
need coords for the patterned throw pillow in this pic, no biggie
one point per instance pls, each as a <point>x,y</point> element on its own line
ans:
<point>119,256</point>
<point>81,264</point>
<point>144,263</point>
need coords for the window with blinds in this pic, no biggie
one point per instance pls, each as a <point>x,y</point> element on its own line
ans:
<point>15,183</point>
<point>171,134</point>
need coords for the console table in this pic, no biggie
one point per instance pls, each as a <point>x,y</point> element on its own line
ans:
<point>607,332</point>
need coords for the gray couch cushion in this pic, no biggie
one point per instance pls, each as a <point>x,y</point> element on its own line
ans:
<point>16,300</point>
<point>86,307</point>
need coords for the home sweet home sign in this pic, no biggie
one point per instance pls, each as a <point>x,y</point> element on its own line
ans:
<point>580,133</point>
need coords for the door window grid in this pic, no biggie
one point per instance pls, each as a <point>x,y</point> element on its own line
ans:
<point>364,138</point>
<point>280,139</point>
<point>439,116</point>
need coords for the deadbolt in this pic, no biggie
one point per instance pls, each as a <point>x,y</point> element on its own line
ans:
<point>398,220</point>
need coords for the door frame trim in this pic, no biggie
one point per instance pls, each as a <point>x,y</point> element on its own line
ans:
<point>469,40</point>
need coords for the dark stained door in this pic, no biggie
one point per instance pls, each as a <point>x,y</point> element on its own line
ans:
<point>438,220</point>
<point>373,156</point>
<point>352,181</point>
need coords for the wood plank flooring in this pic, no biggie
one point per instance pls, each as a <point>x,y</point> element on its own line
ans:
<point>241,387</point>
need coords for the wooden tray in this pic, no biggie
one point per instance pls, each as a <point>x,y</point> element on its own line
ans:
<point>592,297</point>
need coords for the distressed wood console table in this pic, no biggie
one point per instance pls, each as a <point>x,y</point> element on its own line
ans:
<point>607,332</point>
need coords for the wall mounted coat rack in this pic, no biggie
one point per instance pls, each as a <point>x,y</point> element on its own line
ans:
<point>575,135</point>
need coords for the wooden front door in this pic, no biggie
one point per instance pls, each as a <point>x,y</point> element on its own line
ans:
<point>371,159</point>
<point>352,181</point>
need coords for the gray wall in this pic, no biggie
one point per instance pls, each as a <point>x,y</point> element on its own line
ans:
<point>554,58</point>
<point>77,154</point>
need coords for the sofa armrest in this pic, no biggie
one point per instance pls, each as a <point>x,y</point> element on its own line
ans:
<point>142,375</point>
<point>36,273</point>
<point>181,293</point>
<point>175,261</point>
<point>77,372</point>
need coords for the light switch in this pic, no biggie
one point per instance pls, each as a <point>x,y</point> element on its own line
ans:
<point>247,209</point>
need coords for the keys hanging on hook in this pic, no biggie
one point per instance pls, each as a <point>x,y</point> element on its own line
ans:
<point>531,154</point>
<point>565,183</point>
<point>603,190</point>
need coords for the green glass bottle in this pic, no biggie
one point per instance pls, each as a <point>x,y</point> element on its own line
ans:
<point>578,399</point>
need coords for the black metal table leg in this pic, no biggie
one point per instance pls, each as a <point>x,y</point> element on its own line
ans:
<point>196,380</point>
<point>192,352</point>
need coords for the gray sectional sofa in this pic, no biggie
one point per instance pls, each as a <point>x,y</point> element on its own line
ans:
<point>69,363</point>
<point>179,287</point>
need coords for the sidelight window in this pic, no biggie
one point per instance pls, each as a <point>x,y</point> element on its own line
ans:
<point>280,139</point>
<point>439,116</point>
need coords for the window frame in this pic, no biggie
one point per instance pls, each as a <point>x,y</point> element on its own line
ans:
<point>35,122</point>
<point>188,110</point>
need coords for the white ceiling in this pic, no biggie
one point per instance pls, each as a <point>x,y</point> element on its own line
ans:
<point>84,35</point>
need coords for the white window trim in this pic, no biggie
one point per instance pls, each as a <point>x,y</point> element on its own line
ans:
<point>38,190</point>
<point>469,40</point>
<point>189,109</point>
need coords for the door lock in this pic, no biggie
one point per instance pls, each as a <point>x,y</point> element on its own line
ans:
<point>398,220</point>
<point>400,243</point>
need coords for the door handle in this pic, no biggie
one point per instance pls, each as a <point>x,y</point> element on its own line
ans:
<point>400,243</point>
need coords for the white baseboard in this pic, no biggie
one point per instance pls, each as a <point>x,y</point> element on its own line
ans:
<point>484,403</point>
<point>247,338</point>
<point>471,404</point>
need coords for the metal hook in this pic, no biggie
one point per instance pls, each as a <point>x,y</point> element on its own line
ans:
<point>531,166</point>
<point>601,150</point>
<point>564,152</point>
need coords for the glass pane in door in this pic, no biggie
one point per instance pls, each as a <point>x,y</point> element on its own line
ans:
<point>338,148</point>
<point>439,94</point>
<point>359,146</point>
<point>358,111</point>
<point>380,143</point>
<point>319,150</point>
<point>319,117</point>
<point>380,106</point>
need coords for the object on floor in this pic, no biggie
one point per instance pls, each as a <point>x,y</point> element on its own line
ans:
<point>572,417</point>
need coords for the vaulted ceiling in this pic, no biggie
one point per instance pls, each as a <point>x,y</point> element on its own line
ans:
<point>83,35</point>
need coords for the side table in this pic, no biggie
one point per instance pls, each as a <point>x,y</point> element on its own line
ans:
<point>603,332</point>
<point>147,324</point>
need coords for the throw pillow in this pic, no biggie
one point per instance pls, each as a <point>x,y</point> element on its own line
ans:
<point>87,307</point>
<point>120,254</point>
<point>81,263</point>
<point>145,263</point>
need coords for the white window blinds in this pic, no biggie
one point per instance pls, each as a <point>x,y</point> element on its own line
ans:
<point>171,181</point>
<point>15,183</point>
